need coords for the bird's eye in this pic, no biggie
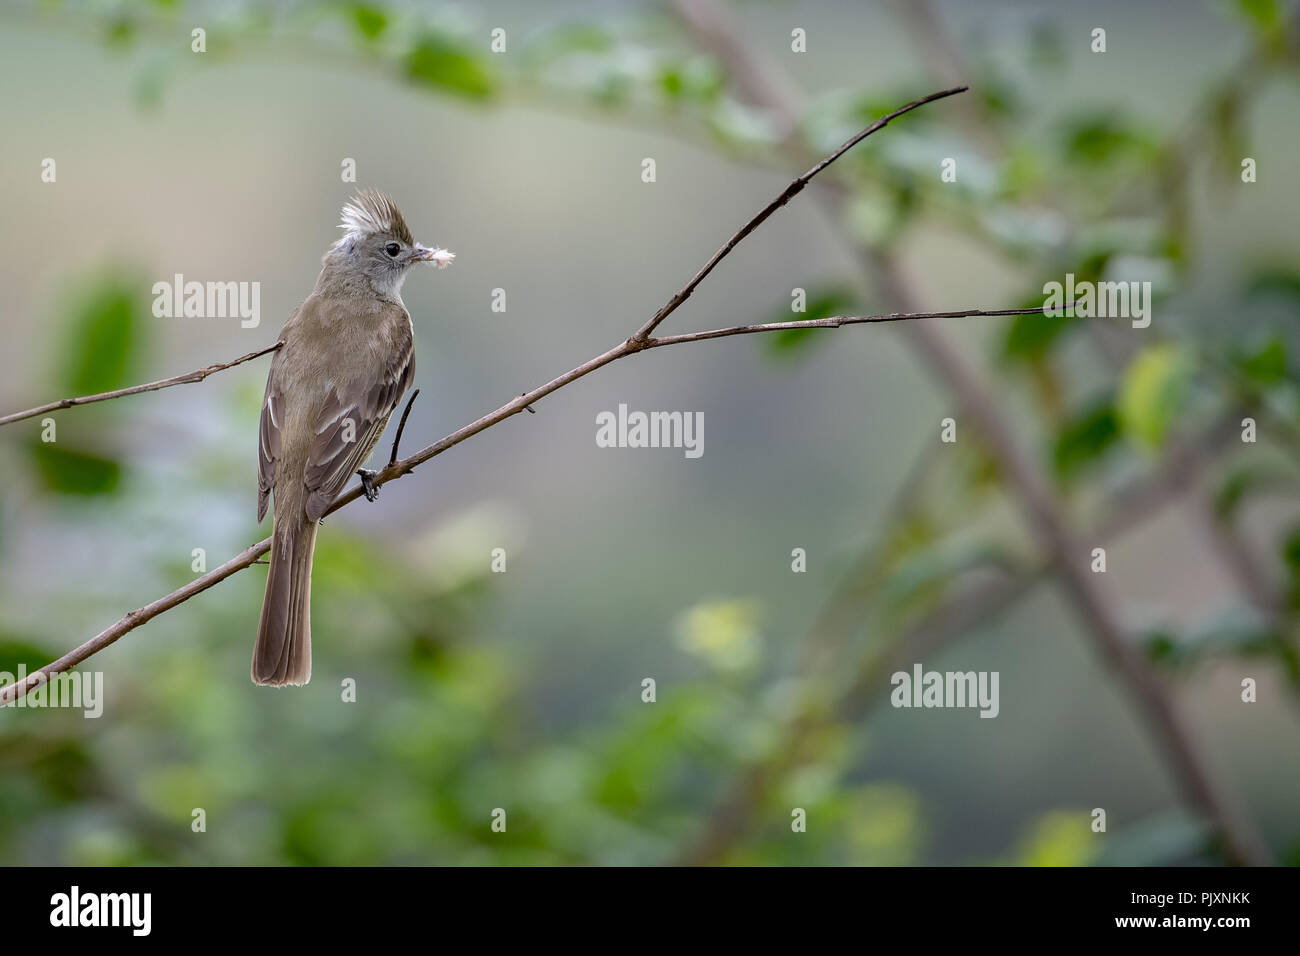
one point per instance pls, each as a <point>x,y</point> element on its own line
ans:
<point>392,249</point>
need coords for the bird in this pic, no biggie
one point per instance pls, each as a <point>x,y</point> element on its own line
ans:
<point>346,357</point>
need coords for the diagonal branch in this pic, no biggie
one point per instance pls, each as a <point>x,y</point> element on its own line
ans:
<point>132,620</point>
<point>396,469</point>
<point>197,375</point>
<point>832,322</point>
<point>638,342</point>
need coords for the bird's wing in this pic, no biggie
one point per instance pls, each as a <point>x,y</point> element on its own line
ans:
<point>268,432</point>
<point>268,444</point>
<point>349,424</point>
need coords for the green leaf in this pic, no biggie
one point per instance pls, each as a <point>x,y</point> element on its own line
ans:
<point>1264,14</point>
<point>1152,392</point>
<point>1059,838</point>
<point>1291,555</point>
<point>1161,647</point>
<point>72,471</point>
<point>821,304</point>
<point>724,633</point>
<point>1103,139</point>
<point>696,80</point>
<point>999,96</point>
<point>15,651</point>
<point>1031,336</point>
<point>1236,632</point>
<point>120,31</point>
<point>104,333</point>
<point>1291,552</point>
<point>670,80</point>
<point>1083,440</point>
<point>370,21</point>
<point>1276,283</point>
<point>1265,365</point>
<point>446,65</point>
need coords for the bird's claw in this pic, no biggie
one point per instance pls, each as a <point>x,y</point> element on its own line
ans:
<point>367,483</point>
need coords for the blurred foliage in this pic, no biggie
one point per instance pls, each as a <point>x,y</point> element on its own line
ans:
<point>1084,439</point>
<point>71,471</point>
<point>1059,839</point>
<point>441,63</point>
<point>104,347</point>
<point>440,735</point>
<point>1152,392</point>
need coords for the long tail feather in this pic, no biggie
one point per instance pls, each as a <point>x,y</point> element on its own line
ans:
<point>283,652</point>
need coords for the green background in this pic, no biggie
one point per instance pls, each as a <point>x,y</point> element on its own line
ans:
<point>523,690</point>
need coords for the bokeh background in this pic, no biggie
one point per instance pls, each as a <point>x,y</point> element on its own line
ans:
<point>523,690</point>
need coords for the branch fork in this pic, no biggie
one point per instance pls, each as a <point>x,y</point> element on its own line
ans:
<point>640,341</point>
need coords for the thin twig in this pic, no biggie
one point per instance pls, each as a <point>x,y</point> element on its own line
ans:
<point>833,322</point>
<point>396,469</point>
<point>134,619</point>
<point>787,194</point>
<point>397,439</point>
<point>197,375</point>
<point>639,342</point>
<point>642,334</point>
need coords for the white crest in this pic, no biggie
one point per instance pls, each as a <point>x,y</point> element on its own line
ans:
<point>370,212</point>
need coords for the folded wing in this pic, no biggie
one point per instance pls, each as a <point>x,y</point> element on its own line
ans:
<point>347,429</point>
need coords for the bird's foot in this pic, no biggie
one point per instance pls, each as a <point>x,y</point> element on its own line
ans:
<point>367,483</point>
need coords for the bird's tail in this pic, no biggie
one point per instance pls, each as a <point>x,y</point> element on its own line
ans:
<point>283,651</point>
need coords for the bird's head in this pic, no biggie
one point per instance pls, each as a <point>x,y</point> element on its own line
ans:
<point>377,245</point>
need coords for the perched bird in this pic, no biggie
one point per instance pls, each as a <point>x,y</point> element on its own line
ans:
<point>346,358</point>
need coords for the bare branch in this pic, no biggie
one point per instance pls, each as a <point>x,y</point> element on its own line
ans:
<point>787,194</point>
<point>134,619</point>
<point>396,469</point>
<point>833,322</point>
<point>642,334</point>
<point>639,342</point>
<point>197,375</point>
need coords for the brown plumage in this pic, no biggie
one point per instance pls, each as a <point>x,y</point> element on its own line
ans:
<point>347,358</point>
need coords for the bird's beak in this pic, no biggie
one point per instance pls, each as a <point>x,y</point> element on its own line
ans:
<point>440,257</point>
